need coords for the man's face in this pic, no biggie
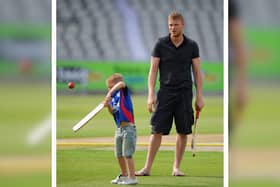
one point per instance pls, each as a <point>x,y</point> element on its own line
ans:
<point>176,27</point>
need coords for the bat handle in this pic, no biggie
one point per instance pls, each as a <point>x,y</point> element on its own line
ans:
<point>197,114</point>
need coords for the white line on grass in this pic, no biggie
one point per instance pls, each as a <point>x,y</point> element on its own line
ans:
<point>40,131</point>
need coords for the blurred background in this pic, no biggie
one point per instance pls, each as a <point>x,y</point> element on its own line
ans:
<point>97,38</point>
<point>254,43</point>
<point>25,78</point>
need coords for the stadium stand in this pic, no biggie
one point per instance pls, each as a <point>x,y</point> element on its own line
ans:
<point>25,11</point>
<point>22,23</point>
<point>127,29</point>
<point>90,30</point>
<point>260,13</point>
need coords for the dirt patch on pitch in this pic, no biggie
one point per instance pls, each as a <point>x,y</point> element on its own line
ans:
<point>254,163</point>
<point>204,142</point>
<point>202,138</point>
<point>11,165</point>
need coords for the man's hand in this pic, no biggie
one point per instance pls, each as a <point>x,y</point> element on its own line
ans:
<point>199,103</point>
<point>151,103</point>
<point>151,83</point>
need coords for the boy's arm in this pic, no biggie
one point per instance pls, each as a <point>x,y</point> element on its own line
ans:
<point>108,97</point>
<point>116,87</point>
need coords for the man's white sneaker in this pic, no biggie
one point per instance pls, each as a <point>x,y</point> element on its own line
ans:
<point>118,179</point>
<point>129,181</point>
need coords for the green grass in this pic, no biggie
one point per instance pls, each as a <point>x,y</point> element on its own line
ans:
<point>35,179</point>
<point>259,124</point>
<point>23,106</point>
<point>90,167</point>
<point>72,108</point>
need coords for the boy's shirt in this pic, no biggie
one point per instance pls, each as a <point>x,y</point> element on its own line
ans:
<point>122,106</point>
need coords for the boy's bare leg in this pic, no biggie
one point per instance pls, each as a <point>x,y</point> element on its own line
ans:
<point>122,164</point>
<point>131,169</point>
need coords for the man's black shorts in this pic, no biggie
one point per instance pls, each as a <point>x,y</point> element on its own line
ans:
<point>169,105</point>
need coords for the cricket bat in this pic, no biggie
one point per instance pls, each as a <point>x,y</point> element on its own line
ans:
<point>88,117</point>
<point>194,133</point>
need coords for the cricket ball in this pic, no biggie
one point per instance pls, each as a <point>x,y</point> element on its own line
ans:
<point>71,85</point>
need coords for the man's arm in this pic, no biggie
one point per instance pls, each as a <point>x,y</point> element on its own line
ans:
<point>236,41</point>
<point>199,103</point>
<point>152,82</point>
<point>108,97</point>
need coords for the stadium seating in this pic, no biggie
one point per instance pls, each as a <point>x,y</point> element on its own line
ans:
<point>22,36</point>
<point>127,29</point>
<point>25,11</point>
<point>259,13</point>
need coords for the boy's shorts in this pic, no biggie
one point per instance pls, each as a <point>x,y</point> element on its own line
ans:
<point>169,105</point>
<point>125,141</point>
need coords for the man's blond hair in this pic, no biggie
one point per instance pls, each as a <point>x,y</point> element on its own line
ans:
<point>176,16</point>
<point>115,78</point>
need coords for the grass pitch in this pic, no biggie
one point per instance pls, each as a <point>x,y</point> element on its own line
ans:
<point>72,108</point>
<point>23,107</point>
<point>91,167</point>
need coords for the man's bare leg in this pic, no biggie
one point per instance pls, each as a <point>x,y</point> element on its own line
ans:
<point>154,144</point>
<point>181,141</point>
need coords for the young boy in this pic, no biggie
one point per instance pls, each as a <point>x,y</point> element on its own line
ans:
<point>118,101</point>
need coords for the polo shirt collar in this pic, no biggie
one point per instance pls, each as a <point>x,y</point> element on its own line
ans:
<point>184,40</point>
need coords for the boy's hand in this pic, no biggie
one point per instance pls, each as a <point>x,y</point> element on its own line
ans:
<point>107,100</point>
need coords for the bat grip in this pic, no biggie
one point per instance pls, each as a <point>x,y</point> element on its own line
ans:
<point>197,114</point>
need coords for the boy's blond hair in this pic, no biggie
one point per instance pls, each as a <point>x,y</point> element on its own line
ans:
<point>176,16</point>
<point>115,78</point>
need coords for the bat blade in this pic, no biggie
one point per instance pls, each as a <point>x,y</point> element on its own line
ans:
<point>88,117</point>
<point>194,134</point>
<point>193,140</point>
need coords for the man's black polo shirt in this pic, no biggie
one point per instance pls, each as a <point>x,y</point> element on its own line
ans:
<point>233,9</point>
<point>175,62</point>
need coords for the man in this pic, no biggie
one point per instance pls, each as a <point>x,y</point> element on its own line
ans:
<point>173,56</point>
<point>237,62</point>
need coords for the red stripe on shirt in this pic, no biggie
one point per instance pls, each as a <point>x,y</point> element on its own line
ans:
<point>127,113</point>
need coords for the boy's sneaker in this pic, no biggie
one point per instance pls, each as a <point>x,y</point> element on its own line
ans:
<point>118,179</point>
<point>129,181</point>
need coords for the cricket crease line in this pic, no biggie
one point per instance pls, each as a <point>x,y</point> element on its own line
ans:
<point>138,144</point>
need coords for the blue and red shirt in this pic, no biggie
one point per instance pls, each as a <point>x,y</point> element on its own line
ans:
<point>122,106</point>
